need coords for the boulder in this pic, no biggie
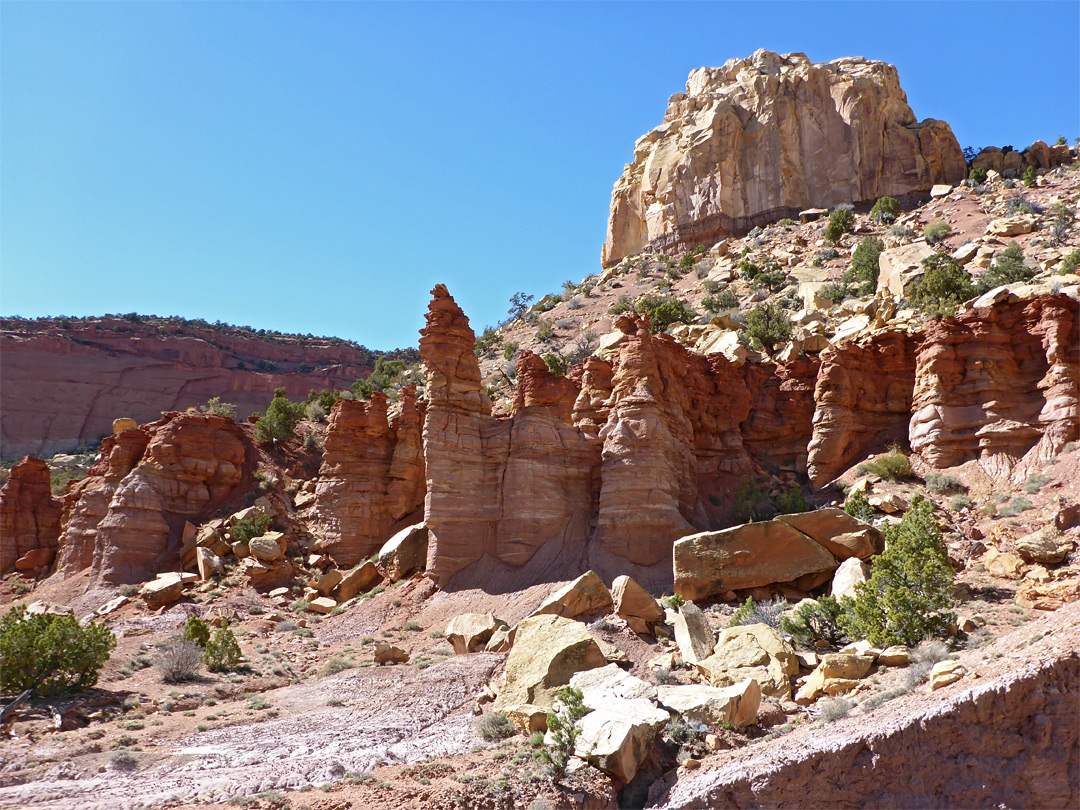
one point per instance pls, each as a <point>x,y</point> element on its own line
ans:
<point>890,503</point>
<point>322,604</point>
<point>749,556</point>
<point>164,590</point>
<point>851,572</point>
<point>1002,565</point>
<point>389,654</point>
<point>326,583</point>
<point>693,634</point>
<point>1011,226</point>
<point>405,553</point>
<point>265,576</point>
<point>208,563</point>
<point>124,423</point>
<point>527,717</point>
<point>836,673</point>
<point>358,579</point>
<point>895,656</point>
<point>586,594</point>
<point>470,632</point>
<point>501,641</point>
<point>843,535</point>
<point>267,547</point>
<point>1047,546</point>
<point>898,267</point>
<point>548,650</point>
<point>752,651</point>
<point>617,737</point>
<point>736,704</point>
<point>602,685</point>
<point>945,672</point>
<point>35,558</point>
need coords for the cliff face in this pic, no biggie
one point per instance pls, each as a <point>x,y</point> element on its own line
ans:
<point>764,137</point>
<point>64,384</point>
<point>29,514</point>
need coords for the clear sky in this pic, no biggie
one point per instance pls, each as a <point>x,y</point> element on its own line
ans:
<point>317,167</point>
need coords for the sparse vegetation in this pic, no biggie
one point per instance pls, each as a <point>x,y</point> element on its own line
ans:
<point>279,421</point>
<point>1035,482</point>
<point>1015,506</point>
<point>864,264</point>
<point>50,654</point>
<point>767,612</point>
<point>215,407</point>
<point>178,660</point>
<point>222,651</point>
<point>943,286</point>
<point>833,709</point>
<point>1007,268</point>
<point>767,325</point>
<point>858,506</point>
<point>564,730</point>
<point>885,210</point>
<point>815,621</point>
<point>936,232</point>
<point>664,310</point>
<point>892,466</point>
<point>196,631</point>
<point>243,531</point>
<point>940,484</point>
<point>556,364</point>
<point>1030,175</point>
<point>496,726</point>
<point>841,221</point>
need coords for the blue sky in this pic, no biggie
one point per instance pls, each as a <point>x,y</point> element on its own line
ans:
<point>317,167</point>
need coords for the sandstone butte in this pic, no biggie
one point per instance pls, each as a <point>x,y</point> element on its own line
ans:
<point>604,468</point>
<point>766,137</point>
<point>65,382</point>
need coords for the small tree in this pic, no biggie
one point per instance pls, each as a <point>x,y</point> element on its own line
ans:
<point>909,594</point>
<point>215,407</point>
<point>1007,268</point>
<point>813,621</point>
<point>858,506</point>
<point>564,730</point>
<point>555,363</point>
<point>767,325</point>
<point>277,424</point>
<point>222,651</point>
<point>664,310</point>
<point>196,631</point>
<point>49,654</point>
<point>977,177</point>
<point>841,221</point>
<point>519,305</point>
<point>943,286</point>
<point>885,210</point>
<point>244,530</point>
<point>864,263</point>
<point>1029,176</point>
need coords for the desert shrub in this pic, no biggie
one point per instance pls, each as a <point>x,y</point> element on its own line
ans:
<point>487,340</point>
<point>315,411</point>
<point>1030,174</point>
<point>49,654</point>
<point>663,676</point>
<point>664,310</point>
<point>1035,482</point>
<point>621,306</point>
<point>773,279</point>
<point>939,484</point>
<point>833,709</point>
<point>841,221</point>
<point>711,287</point>
<point>1019,204</point>
<point>901,232</point>
<point>885,210</point>
<point>123,761</point>
<point>1015,507</point>
<point>943,286</point>
<point>674,602</point>
<point>496,726</point>
<point>961,502</point>
<point>215,407</point>
<point>178,660</point>
<point>767,325</point>
<point>196,631</point>
<point>864,264</point>
<point>279,421</point>
<point>555,363</point>
<point>824,255</point>
<point>564,730</point>
<point>893,466</point>
<point>930,651</point>
<point>748,270</point>
<point>752,502</point>
<point>336,664</point>
<point>791,500</point>
<point>765,612</point>
<point>544,330</point>
<point>244,530</point>
<point>510,349</point>
<point>836,292</point>
<point>1007,268</point>
<point>727,300</point>
<point>814,621</point>
<point>936,232</point>
<point>222,651</point>
<point>1070,263</point>
<point>909,594</point>
<point>858,506</point>
<point>312,442</point>
<point>977,177</point>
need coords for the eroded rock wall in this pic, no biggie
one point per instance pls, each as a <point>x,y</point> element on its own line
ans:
<point>761,138</point>
<point>29,514</point>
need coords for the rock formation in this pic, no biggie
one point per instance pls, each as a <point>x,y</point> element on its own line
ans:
<point>29,514</point>
<point>66,382</point>
<point>763,138</point>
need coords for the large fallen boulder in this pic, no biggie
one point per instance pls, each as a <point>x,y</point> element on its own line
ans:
<point>752,651</point>
<point>586,594</point>
<point>165,589</point>
<point>548,650</point>
<point>1047,546</point>
<point>736,705</point>
<point>835,674</point>
<point>470,632</point>
<point>634,604</point>
<point>693,633</point>
<point>405,553</point>
<point>358,579</point>
<point>843,535</point>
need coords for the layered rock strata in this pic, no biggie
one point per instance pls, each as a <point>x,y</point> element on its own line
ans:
<point>765,137</point>
<point>29,514</point>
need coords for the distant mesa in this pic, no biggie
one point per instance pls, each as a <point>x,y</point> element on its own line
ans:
<point>763,138</point>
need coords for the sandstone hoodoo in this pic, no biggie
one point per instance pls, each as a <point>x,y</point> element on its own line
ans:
<point>763,138</point>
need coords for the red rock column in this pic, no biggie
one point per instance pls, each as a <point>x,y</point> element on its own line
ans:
<point>29,514</point>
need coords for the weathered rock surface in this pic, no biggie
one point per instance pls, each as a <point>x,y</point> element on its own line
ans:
<point>765,137</point>
<point>693,633</point>
<point>736,705</point>
<point>752,651</point>
<point>1047,545</point>
<point>64,385</point>
<point>470,632</point>
<point>850,573</point>
<point>357,580</point>
<point>29,514</point>
<point>586,594</point>
<point>547,652</point>
<point>835,674</point>
<point>405,553</point>
<point>634,604</point>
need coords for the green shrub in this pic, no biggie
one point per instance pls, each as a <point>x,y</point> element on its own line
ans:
<point>197,631</point>
<point>564,730</point>
<point>943,286</point>
<point>675,601</point>
<point>858,506</point>
<point>748,270</point>
<point>841,221</point>
<point>711,287</point>
<point>1035,482</point>
<point>752,503</point>
<point>909,594</point>
<point>222,651</point>
<point>496,726</point>
<point>773,279</point>
<point>50,654</point>
<point>767,325</point>
<point>885,210</point>
<point>977,177</point>
<point>767,612</point>
<point>893,466</point>
<point>961,502</point>
<point>336,664</point>
<point>791,500</point>
<point>487,340</point>
<point>1015,507</point>
<point>864,264</point>
<point>623,305</point>
<point>835,292</point>
<point>814,621</point>
<point>1070,263</point>
<point>664,310</point>
<point>833,709</point>
<point>215,407</point>
<point>825,255</point>
<point>1029,176</point>
<point>277,424</point>
<point>244,530</point>
<point>939,484</point>
<point>556,364</point>
<point>544,330</point>
<point>1007,268</point>
<point>936,232</point>
<point>727,300</point>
